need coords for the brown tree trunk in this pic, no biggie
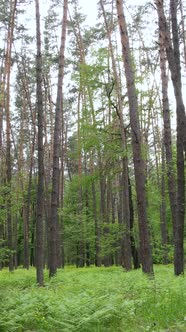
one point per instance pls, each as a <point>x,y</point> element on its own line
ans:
<point>61,225</point>
<point>87,209</point>
<point>181,144</point>
<point>119,109</point>
<point>97,228</point>
<point>13,5</point>
<point>40,189</point>
<point>173,56</point>
<point>2,95</point>
<point>163,223</point>
<point>95,214</point>
<point>126,238</point>
<point>183,32</point>
<point>53,225</point>
<point>81,244</point>
<point>134,249</point>
<point>167,133</point>
<point>139,164</point>
<point>26,208</point>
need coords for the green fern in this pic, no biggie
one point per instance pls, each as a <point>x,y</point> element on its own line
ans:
<point>93,300</point>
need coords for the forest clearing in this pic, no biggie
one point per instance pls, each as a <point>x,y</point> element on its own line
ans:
<point>93,299</point>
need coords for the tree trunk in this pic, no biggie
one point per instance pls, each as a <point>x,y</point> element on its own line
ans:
<point>53,226</point>
<point>97,228</point>
<point>134,250</point>
<point>167,133</point>
<point>119,109</point>
<point>126,238</point>
<point>183,32</point>
<point>1,110</point>
<point>95,215</point>
<point>139,164</point>
<point>24,78</point>
<point>173,56</point>
<point>181,145</point>
<point>13,5</point>
<point>61,225</point>
<point>163,223</point>
<point>40,189</point>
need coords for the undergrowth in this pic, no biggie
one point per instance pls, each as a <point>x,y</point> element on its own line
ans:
<point>93,300</point>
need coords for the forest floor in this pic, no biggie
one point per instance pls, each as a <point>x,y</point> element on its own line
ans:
<point>93,299</point>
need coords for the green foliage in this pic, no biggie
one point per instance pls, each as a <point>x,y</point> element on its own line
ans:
<point>5,253</point>
<point>93,299</point>
<point>154,203</point>
<point>110,240</point>
<point>78,222</point>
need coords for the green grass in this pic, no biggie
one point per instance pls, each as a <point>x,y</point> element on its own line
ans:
<point>93,300</point>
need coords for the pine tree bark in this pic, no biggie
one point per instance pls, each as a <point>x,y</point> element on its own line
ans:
<point>139,164</point>
<point>53,226</point>
<point>1,111</point>
<point>135,255</point>
<point>27,95</point>
<point>97,227</point>
<point>173,56</point>
<point>81,243</point>
<point>167,133</point>
<point>13,5</point>
<point>40,188</point>
<point>95,213</point>
<point>163,222</point>
<point>183,32</point>
<point>126,241</point>
<point>61,226</point>
<point>181,144</point>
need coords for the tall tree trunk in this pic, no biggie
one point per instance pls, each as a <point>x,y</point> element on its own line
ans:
<point>181,145</point>
<point>139,164</point>
<point>53,226</point>
<point>2,95</point>
<point>173,56</point>
<point>163,223</point>
<point>167,133</point>
<point>61,233</point>
<point>119,109</point>
<point>87,246</point>
<point>134,250</point>
<point>32,240</point>
<point>26,258</point>
<point>13,5</point>
<point>126,238</point>
<point>183,32</point>
<point>97,227</point>
<point>40,190</point>
<point>81,246</point>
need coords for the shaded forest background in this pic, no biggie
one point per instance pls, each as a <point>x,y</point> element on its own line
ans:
<point>91,169</point>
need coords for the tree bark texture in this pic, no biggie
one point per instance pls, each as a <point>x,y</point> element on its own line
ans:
<point>40,187</point>
<point>13,5</point>
<point>139,163</point>
<point>173,56</point>
<point>126,241</point>
<point>53,225</point>
<point>167,133</point>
